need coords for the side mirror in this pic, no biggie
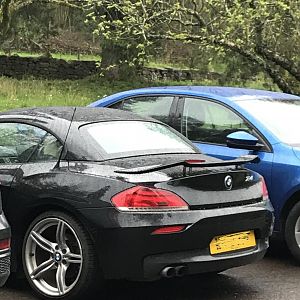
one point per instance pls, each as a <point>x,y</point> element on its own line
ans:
<point>243,140</point>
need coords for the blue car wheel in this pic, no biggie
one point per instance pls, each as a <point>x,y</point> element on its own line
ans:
<point>292,231</point>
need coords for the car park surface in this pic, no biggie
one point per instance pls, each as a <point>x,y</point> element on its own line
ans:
<point>228,122</point>
<point>79,188</point>
<point>275,277</point>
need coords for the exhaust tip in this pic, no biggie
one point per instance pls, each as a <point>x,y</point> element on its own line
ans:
<point>168,272</point>
<point>181,271</point>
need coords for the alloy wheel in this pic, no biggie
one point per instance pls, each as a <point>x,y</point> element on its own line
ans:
<point>53,257</point>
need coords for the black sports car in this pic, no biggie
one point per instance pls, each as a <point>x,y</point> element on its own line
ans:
<point>4,246</point>
<point>94,194</point>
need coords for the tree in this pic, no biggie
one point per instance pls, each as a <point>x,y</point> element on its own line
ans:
<point>264,32</point>
<point>124,28</point>
<point>9,9</point>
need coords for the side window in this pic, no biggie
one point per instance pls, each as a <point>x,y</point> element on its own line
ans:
<point>19,142</point>
<point>49,149</point>
<point>209,122</point>
<point>117,105</point>
<point>157,107</point>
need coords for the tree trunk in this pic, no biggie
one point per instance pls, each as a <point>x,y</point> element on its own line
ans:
<point>281,61</point>
<point>5,20</point>
<point>113,63</point>
<point>269,68</point>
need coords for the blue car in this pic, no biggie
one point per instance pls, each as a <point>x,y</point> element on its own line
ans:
<point>229,122</point>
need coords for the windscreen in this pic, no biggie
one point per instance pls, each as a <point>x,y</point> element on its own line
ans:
<point>281,117</point>
<point>126,138</point>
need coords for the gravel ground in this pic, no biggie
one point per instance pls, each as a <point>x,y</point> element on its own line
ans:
<point>275,277</point>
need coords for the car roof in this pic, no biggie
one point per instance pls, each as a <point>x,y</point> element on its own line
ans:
<point>49,113</point>
<point>57,120</point>
<point>217,92</point>
<point>232,92</point>
<point>68,113</point>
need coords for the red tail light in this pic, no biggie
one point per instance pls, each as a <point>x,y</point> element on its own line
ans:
<point>195,161</point>
<point>145,198</point>
<point>265,193</point>
<point>169,229</point>
<point>5,244</point>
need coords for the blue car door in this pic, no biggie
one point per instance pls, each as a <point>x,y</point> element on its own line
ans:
<point>207,123</point>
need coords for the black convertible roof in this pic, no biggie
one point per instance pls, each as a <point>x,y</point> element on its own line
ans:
<point>68,113</point>
<point>58,119</point>
<point>90,114</point>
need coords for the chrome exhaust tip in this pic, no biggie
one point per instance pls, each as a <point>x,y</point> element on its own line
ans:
<point>168,272</point>
<point>181,271</point>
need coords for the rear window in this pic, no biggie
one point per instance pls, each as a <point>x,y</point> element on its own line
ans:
<point>125,138</point>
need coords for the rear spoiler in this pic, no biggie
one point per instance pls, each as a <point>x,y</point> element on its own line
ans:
<point>192,164</point>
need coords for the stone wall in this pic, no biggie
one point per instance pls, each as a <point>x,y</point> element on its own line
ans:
<point>42,67</point>
<point>50,68</point>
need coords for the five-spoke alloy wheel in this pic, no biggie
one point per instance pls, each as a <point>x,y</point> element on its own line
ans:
<point>56,255</point>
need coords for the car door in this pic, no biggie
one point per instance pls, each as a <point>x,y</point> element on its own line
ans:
<point>22,145</point>
<point>207,123</point>
<point>160,107</point>
<point>11,143</point>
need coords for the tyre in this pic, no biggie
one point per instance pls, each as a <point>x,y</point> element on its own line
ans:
<point>59,258</point>
<point>292,231</point>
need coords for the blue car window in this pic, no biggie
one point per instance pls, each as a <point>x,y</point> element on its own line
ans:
<point>209,122</point>
<point>157,107</point>
<point>118,105</point>
<point>282,117</point>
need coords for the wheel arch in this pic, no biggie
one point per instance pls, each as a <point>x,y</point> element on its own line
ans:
<point>47,204</point>
<point>289,204</point>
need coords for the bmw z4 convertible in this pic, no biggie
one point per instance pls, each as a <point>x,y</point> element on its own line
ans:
<point>94,194</point>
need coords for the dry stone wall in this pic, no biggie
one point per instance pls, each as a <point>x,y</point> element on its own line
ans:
<point>50,68</point>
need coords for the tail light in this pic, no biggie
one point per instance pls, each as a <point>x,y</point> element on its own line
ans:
<point>5,244</point>
<point>148,199</point>
<point>265,193</point>
<point>169,229</point>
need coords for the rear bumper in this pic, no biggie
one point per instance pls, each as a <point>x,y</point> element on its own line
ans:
<point>127,249</point>
<point>200,261</point>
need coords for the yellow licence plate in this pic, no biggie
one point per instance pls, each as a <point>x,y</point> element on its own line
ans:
<point>232,242</point>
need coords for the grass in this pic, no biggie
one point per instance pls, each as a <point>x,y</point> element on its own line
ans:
<point>30,92</point>
<point>35,92</point>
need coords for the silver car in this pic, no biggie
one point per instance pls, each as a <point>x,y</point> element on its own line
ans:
<point>4,247</point>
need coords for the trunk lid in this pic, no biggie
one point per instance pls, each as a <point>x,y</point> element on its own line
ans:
<point>201,187</point>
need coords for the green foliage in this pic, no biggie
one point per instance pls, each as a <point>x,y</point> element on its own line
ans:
<point>264,32</point>
<point>31,19</point>
<point>127,25</point>
<point>241,38</point>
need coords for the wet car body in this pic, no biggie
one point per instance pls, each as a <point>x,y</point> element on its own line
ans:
<point>4,247</point>
<point>132,243</point>
<point>188,248</point>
